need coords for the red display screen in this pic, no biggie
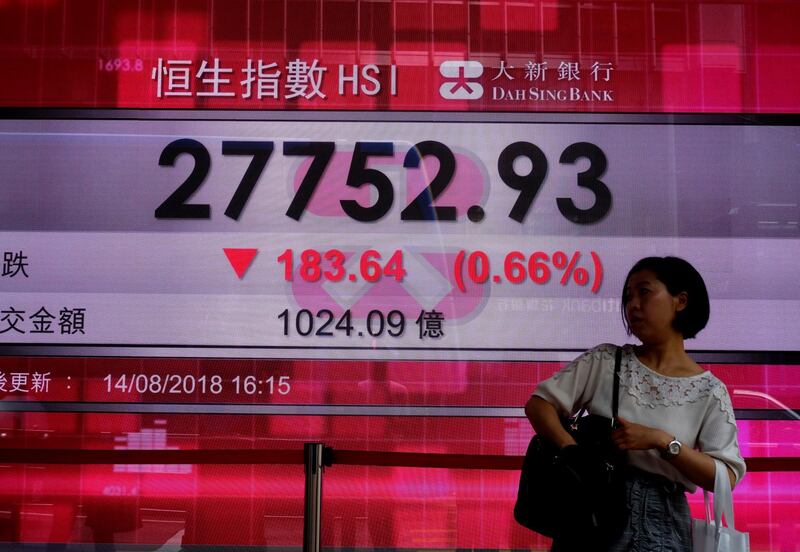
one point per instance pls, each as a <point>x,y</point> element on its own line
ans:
<point>101,402</point>
<point>734,57</point>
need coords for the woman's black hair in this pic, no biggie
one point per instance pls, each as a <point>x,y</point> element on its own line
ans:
<point>677,275</point>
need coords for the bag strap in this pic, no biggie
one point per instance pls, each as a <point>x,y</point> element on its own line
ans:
<point>723,499</point>
<point>615,396</point>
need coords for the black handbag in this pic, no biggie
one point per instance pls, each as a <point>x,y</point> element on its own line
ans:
<point>576,499</point>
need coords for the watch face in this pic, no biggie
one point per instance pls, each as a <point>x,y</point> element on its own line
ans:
<point>674,447</point>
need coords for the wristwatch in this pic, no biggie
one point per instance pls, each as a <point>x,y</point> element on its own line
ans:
<point>673,449</point>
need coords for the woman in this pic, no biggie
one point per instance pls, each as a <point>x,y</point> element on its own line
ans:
<point>674,417</point>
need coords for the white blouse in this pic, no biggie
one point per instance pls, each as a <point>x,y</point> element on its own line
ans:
<point>696,409</point>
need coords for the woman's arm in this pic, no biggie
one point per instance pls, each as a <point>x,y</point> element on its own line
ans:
<point>544,419</point>
<point>698,467</point>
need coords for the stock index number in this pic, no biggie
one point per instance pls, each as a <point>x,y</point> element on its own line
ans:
<point>424,207</point>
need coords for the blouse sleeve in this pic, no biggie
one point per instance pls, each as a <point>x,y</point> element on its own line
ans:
<point>569,388</point>
<point>719,435</point>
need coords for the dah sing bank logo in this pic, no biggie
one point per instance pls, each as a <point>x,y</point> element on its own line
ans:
<point>460,77</point>
<point>564,81</point>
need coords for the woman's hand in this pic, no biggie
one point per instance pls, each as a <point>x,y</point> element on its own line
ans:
<point>631,436</point>
<point>698,467</point>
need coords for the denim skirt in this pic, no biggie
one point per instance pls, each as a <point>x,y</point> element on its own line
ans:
<point>659,518</point>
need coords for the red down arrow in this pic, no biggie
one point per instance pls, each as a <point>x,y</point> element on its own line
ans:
<point>240,259</point>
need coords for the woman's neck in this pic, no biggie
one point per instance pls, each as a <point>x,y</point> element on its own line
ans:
<point>667,357</point>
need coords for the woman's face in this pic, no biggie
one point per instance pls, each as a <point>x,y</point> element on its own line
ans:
<point>651,308</point>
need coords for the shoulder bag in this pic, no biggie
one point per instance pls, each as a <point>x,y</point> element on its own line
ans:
<point>563,494</point>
